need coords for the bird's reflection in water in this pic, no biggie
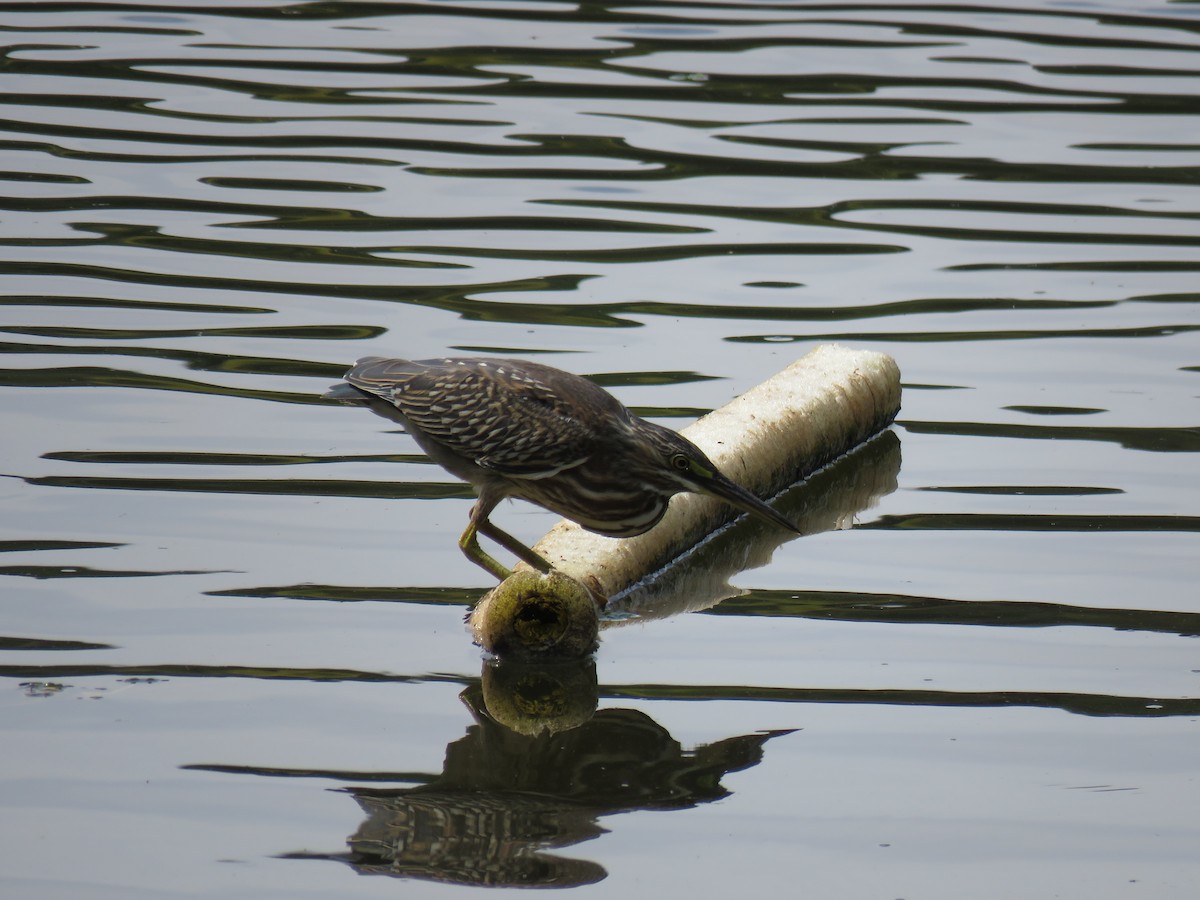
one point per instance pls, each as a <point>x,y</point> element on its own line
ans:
<point>506,797</point>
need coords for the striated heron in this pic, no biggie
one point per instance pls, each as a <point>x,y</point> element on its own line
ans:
<point>520,429</point>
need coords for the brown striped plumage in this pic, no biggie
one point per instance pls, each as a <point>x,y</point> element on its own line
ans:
<point>521,429</point>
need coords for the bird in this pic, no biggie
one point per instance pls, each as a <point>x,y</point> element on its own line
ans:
<point>514,428</point>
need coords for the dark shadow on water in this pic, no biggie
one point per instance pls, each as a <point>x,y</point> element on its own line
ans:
<point>27,643</point>
<point>898,609</point>
<point>1067,701</point>
<point>1155,440</point>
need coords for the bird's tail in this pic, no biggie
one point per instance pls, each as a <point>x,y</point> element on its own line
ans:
<point>347,393</point>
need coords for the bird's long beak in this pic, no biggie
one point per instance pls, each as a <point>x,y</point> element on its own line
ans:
<point>733,493</point>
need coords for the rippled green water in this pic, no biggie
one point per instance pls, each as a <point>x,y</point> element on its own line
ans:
<point>232,658</point>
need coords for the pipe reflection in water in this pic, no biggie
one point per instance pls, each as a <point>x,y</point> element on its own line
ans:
<point>532,698</point>
<point>505,797</point>
<point>827,500</point>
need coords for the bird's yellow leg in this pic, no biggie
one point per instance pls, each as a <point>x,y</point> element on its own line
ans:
<point>479,524</point>
<point>469,544</point>
<point>513,546</point>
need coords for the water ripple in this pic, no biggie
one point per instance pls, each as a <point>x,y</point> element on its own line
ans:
<point>209,211</point>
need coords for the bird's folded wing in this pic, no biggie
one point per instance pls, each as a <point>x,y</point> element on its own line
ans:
<point>514,426</point>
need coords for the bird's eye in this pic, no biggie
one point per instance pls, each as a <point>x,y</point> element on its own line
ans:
<point>681,462</point>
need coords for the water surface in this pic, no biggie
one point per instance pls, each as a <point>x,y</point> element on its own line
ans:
<point>232,657</point>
